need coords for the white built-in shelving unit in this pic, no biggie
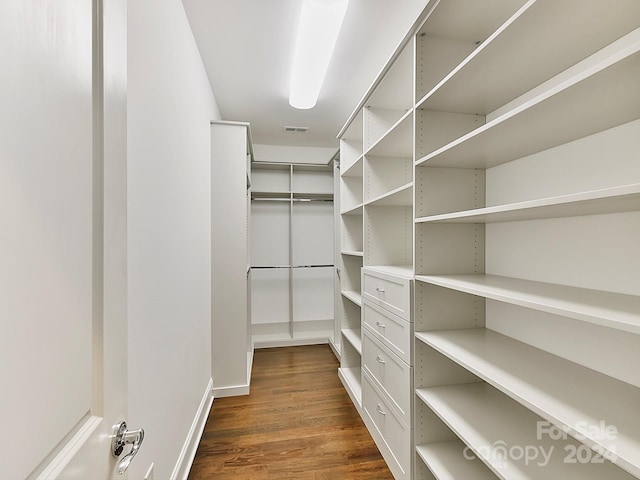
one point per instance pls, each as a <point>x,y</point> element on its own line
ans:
<point>500,179</point>
<point>376,194</point>
<point>292,264</point>
<point>351,248</point>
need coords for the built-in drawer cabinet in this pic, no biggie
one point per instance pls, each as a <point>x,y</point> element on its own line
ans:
<point>390,428</point>
<point>387,335</point>
<point>393,376</point>
<point>391,330</point>
<point>389,291</point>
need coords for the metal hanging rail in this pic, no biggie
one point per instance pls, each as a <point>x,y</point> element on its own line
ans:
<point>267,267</point>
<point>283,199</point>
<point>271,199</point>
<point>312,266</point>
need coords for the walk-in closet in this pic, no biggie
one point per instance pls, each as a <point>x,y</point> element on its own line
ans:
<point>320,239</point>
<point>470,251</point>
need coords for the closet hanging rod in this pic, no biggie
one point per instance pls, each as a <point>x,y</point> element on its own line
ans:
<point>269,267</point>
<point>313,200</point>
<point>276,199</point>
<point>293,266</point>
<point>312,266</point>
<point>271,199</point>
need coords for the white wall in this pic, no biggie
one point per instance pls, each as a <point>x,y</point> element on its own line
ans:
<point>170,104</point>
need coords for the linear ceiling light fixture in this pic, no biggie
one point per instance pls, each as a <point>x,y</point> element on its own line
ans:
<point>320,22</point>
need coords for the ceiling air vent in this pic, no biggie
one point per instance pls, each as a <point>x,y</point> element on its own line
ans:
<point>289,129</point>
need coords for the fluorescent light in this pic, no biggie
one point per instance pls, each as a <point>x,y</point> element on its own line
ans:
<point>320,22</point>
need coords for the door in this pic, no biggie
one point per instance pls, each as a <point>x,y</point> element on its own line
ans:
<point>63,343</point>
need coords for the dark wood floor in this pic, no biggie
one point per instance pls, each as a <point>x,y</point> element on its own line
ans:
<point>297,423</point>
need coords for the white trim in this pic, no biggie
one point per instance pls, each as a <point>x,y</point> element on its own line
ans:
<point>250,363</point>
<point>231,391</point>
<point>291,342</point>
<point>335,347</point>
<point>188,453</point>
<point>67,453</point>
<point>237,390</point>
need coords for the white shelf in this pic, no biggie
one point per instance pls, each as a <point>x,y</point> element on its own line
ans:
<point>352,380</point>
<point>398,197</point>
<point>270,194</point>
<point>354,338</point>
<point>357,210</point>
<point>311,167</point>
<point>256,165</point>
<point>599,92</point>
<point>613,310</point>
<point>352,130</point>
<point>466,89</point>
<point>539,381</point>
<point>352,253</point>
<point>395,88</point>
<point>326,196</point>
<point>595,202</point>
<point>291,195</point>
<point>397,141</point>
<point>397,270</point>
<point>353,170</point>
<point>355,297</point>
<point>489,422</point>
<point>447,461</point>
<point>378,123</point>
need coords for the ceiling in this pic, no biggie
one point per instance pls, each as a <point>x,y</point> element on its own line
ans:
<point>247,46</point>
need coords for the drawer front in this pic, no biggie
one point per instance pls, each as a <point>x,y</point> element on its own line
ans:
<point>392,331</point>
<point>395,432</point>
<point>391,292</point>
<point>392,374</point>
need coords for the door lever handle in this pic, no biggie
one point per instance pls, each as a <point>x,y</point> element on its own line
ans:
<point>123,437</point>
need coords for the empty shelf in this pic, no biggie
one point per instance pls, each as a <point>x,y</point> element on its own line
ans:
<point>354,338</point>
<point>497,430</point>
<point>613,310</point>
<point>355,297</point>
<point>450,461</point>
<point>539,380</point>
<point>398,197</point>
<point>595,202</point>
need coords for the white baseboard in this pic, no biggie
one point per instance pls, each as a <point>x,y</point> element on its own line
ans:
<point>237,390</point>
<point>232,391</point>
<point>188,453</point>
<point>336,349</point>
<point>249,364</point>
<point>289,342</point>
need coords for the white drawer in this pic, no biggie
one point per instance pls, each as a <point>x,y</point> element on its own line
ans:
<point>389,291</point>
<point>392,331</point>
<point>394,432</point>
<point>392,374</point>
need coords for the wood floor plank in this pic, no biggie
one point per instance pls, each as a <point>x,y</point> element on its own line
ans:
<point>297,423</point>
